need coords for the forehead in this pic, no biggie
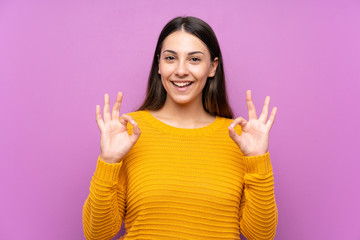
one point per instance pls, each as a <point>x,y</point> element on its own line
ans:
<point>181,41</point>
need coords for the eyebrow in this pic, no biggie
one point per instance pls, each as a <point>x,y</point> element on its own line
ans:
<point>190,53</point>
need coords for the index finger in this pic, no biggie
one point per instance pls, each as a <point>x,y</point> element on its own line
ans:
<point>250,106</point>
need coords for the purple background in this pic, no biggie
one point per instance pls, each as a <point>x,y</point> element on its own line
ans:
<point>57,60</point>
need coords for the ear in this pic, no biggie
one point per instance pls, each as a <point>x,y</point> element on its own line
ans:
<point>214,65</point>
<point>158,64</point>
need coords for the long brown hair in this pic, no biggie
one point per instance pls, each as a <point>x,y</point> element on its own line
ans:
<point>214,95</point>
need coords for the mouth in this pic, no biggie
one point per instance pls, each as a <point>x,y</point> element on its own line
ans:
<point>181,84</point>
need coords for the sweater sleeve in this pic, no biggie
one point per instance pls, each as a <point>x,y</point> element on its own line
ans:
<point>104,208</point>
<point>258,210</point>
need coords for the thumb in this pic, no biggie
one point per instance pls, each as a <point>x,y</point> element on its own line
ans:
<point>136,133</point>
<point>232,133</point>
<point>234,136</point>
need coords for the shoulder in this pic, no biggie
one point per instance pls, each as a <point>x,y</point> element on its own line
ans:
<point>136,114</point>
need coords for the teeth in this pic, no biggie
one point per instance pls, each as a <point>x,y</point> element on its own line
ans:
<point>182,84</point>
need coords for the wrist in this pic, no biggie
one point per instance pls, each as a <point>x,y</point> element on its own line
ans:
<point>110,160</point>
<point>258,164</point>
<point>254,154</point>
<point>107,172</point>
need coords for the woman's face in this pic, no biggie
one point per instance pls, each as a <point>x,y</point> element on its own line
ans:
<point>184,66</point>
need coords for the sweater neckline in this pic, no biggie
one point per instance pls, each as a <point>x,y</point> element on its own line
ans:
<point>206,130</point>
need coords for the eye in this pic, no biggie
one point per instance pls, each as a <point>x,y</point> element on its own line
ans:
<point>195,59</point>
<point>170,58</point>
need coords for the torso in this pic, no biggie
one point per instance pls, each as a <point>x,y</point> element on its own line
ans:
<point>183,183</point>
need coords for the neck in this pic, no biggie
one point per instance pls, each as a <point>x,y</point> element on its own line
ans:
<point>190,115</point>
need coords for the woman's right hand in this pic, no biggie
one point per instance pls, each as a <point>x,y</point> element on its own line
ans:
<point>115,142</point>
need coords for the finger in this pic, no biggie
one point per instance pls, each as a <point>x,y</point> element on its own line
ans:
<point>99,120</point>
<point>136,130</point>
<point>264,114</point>
<point>271,120</point>
<point>136,133</point>
<point>234,136</point>
<point>232,133</point>
<point>250,106</point>
<point>125,119</point>
<point>106,108</point>
<point>116,107</point>
<point>241,121</point>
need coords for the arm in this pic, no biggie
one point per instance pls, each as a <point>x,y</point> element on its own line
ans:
<point>104,208</point>
<point>258,210</point>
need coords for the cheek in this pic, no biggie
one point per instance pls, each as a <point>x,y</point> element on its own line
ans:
<point>201,72</point>
<point>165,70</point>
<point>165,74</point>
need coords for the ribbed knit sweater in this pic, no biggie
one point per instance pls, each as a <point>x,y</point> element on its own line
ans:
<point>178,183</point>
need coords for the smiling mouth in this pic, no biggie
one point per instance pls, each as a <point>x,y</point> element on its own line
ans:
<point>181,84</point>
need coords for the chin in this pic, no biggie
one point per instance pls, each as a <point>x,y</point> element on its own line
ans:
<point>182,100</point>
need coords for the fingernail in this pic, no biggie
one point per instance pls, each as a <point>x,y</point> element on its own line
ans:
<point>232,125</point>
<point>132,122</point>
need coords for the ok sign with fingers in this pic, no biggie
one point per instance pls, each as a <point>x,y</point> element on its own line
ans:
<point>115,142</point>
<point>254,139</point>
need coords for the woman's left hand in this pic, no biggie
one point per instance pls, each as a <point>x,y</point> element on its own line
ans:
<point>254,139</point>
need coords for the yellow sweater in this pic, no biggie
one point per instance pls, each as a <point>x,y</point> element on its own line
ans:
<point>180,183</point>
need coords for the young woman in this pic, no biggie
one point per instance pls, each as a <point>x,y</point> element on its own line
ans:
<point>180,167</point>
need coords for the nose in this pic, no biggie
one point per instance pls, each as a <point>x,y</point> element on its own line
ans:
<point>181,69</point>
